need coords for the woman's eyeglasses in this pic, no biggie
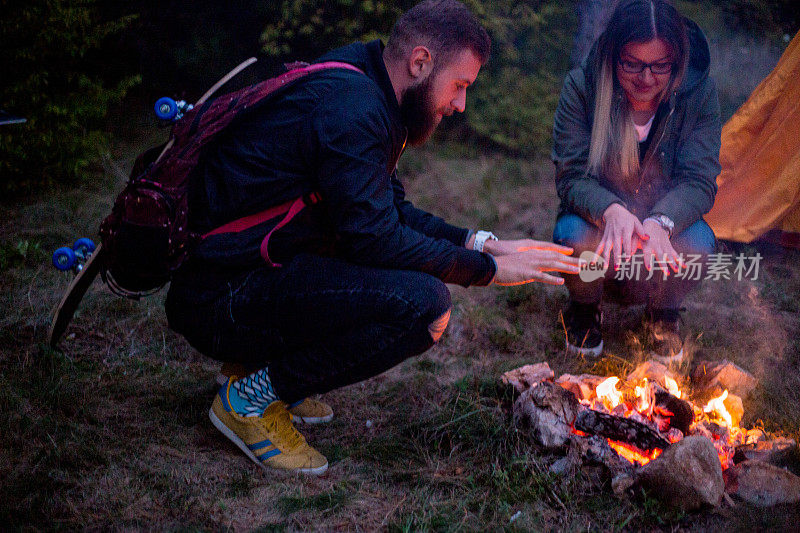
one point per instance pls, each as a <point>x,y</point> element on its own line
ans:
<point>637,67</point>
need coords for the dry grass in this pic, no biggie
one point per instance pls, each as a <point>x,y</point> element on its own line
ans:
<point>111,431</point>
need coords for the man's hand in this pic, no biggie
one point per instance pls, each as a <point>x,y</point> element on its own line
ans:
<point>659,247</point>
<point>507,247</point>
<point>532,262</point>
<point>622,235</point>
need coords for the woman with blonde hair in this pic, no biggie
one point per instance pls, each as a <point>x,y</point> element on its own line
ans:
<point>636,149</point>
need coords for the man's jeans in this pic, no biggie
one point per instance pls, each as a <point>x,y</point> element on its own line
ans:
<point>318,323</point>
<point>572,230</point>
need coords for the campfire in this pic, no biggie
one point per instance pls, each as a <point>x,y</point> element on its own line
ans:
<point>641,426</point>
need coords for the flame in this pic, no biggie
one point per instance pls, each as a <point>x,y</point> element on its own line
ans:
<point>642,397</point>
<point>634,454</point>
<point>607,393</point>
<point>672,386</point>
<point>717,405</point>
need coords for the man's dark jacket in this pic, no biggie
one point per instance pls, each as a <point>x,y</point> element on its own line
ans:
<point>681,163</point>
<point>338,133</point>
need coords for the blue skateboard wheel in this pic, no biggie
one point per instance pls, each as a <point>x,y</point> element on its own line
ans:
<point>64,258</point>
<point>84,247</point>
<point>166,108</point>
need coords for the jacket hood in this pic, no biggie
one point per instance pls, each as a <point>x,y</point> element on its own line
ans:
<point>696,71</point>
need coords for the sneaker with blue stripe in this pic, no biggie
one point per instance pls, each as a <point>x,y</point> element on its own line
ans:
<point>269,440</point>
<point>305,411</point>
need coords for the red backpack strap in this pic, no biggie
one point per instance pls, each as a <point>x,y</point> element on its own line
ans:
<point>288,210</point>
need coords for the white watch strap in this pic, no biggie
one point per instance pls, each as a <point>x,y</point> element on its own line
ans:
<point>480,239</point>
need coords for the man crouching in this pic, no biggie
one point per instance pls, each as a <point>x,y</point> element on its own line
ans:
<point>353,284</point>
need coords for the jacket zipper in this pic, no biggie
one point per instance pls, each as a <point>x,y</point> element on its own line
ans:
<point>654,147</point>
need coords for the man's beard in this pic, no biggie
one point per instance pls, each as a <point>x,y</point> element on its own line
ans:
<point>417,111</point>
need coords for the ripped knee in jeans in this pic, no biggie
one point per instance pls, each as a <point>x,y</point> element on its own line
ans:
<point>437,327</point>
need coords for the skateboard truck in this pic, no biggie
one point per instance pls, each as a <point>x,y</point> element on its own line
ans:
<point>170,110</point>
<point>66,258</point>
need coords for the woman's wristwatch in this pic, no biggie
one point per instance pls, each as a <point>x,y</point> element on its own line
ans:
<point>665,222</point>
<point>480,239</point>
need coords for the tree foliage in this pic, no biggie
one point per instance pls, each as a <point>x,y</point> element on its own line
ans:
<point>512,104</point>
<point>760,15</point>
<point>54,77</point>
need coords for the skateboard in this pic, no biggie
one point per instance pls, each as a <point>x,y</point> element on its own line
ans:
<point>84,259</point>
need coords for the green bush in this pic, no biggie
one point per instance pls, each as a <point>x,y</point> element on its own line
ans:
<point>53,76</point>
<point>516,95</point>
<point>758,15</point>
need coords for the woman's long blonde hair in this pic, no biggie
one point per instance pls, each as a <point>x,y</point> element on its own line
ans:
<point>614,146</point>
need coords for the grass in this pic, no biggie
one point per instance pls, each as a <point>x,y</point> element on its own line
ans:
<point>110,431</point>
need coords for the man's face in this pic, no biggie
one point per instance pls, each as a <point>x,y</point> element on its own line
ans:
<point>440,93</point>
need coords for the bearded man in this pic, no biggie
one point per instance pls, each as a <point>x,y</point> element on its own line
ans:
<point>354,283</point>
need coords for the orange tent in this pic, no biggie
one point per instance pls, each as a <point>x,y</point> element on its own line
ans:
<point>759,186</point>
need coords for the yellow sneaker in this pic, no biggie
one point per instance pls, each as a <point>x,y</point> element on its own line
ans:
<point>271,441</point>
<point>308,411</point>
<point>305,411</point>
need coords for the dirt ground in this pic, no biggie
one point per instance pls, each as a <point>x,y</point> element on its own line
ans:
<point>110,431</point>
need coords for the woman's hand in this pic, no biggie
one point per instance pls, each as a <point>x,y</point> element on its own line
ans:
<point>623,234</point>
<point>659,247</point>
<point>533,262</point>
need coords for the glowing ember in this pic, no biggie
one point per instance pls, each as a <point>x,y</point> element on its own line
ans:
<point>717,406</point>
<point>672,386</point>
<point>608,394</point>
<point>634,454</point>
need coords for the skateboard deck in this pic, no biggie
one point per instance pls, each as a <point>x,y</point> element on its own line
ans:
<point>74,294</point>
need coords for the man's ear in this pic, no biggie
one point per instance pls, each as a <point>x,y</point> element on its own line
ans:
<point>420,62</point>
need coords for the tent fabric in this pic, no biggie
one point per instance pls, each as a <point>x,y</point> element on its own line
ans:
<point>759,186</point>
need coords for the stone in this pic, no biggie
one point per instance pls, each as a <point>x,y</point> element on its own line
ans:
<point>621,483</point>
<point>762,484</point>
<point>653,371</point>
<point>583,386</point>
<point>686,476</point>
<point>779,452</point>
<point>546,413</point>
<point>528,376</point>
<point>710,379</point>
<point>562,467</point>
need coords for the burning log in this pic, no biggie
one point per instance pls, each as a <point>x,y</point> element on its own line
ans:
<point>681,414</point>
<point>620,429</point>
<point>545,414</point>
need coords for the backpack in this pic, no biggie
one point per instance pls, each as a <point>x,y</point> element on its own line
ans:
<point>146,237</point>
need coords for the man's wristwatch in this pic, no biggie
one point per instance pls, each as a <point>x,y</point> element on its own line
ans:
<point>665,222</point>
<point>480,239</point>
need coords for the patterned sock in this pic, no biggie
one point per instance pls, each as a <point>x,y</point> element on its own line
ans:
<point>250,395</point>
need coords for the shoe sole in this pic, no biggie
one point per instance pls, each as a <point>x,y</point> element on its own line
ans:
<point>312,419</point>
<point>595,352</point>
<point>234,438</point>
<point>675,359</point>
